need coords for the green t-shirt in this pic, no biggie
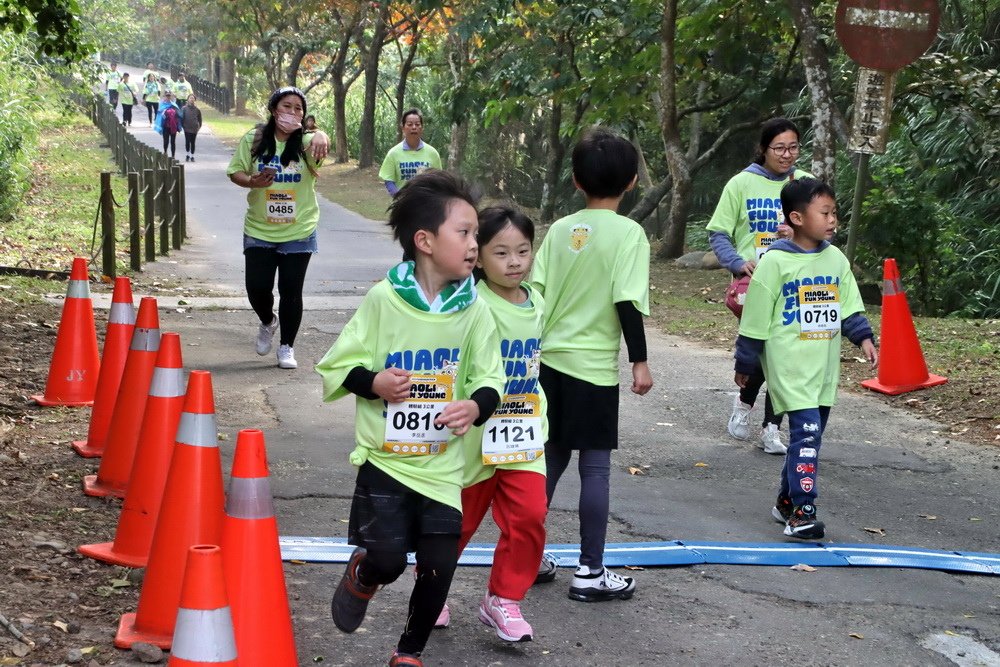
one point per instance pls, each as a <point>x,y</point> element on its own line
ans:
<point>125,95</point>
<point>749,212</point>
<point>286,210</point>
<point>588,262</point>
<point>520,332</point>
<point>183,89</point>
<point>385,332</point>
<point>151,91</point>
<point>802,366</point>
<point>401,164</point>
<point>112,79</point>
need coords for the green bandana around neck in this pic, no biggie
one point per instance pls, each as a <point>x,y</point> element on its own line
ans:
<point>456,296</point>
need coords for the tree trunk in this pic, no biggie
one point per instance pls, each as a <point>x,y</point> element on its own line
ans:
<point>824,109</point>
<point>457,145</point>
<point>553,162</point>
<point>676,156</point>
<point>366,157</point>
<point>404,74</point>
<point>341,153</point>
<point>294,65</point>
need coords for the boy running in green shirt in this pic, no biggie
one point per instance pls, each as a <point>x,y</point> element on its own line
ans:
<point>802,297</point>
<point>593,271</point>
<point>422,357</point>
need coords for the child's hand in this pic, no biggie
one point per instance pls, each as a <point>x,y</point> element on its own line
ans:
<point>642,380</point>
<point>458,416</point>
<point>748,267</point>
<point>784,231</point>
<point>741,380</point>
<point>871,352</point>
<point>392,385</point>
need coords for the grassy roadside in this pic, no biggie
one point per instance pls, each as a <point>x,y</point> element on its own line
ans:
<point>690,303</point>
<point>56,219</point>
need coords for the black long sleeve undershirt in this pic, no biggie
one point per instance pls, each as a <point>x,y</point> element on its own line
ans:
<point>633,330</point>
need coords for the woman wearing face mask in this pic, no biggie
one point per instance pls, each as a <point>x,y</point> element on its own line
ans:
<point>746,221</point>
<point>278,162</point>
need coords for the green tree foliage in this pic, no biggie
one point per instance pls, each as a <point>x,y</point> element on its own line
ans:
<point>54,23</point>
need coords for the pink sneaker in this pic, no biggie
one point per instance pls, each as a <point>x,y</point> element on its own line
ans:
<point>505,617</point>
<point>444,618</point>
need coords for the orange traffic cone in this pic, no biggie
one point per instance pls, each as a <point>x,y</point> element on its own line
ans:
<point>252,560</point>
<point>152,460</point>
<point>190,513</point>
<point>204,627</point>
<point>901,366</point>
<point>126,420</point>
<point>75,362</point>
<point>121,321</point>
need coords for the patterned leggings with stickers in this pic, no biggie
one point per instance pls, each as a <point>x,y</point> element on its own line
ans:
<point>799,477</point>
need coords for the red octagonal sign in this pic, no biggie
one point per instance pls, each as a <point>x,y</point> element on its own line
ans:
<point>886,34</point>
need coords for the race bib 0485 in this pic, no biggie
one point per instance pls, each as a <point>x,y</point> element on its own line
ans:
<point>280,207</point>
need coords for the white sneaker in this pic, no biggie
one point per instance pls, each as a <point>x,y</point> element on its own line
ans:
<point>547,569</point>
<point>605,585</point>
<point>739,421</point>
<point>265,334</point>
<point>770,440</point>
<point>286,357</point>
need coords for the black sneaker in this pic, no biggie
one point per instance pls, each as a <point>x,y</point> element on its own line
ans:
<point>605,585</point>
<point>803,524</point>
<point>350,601</point>
<point>782,509</point>
<point>547,569</point>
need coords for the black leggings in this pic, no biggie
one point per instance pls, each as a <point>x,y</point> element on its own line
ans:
<point>749,396</point>
<point>189,138</point>
<point>437,557</point>
<point>151,108</point>
<point>595,496</point>
<point>261,265</point>
<point>171,139</point>
<point>126,114</point>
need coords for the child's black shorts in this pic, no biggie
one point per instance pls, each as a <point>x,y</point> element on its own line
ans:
<point>388,516</point>
<point>581,415</point>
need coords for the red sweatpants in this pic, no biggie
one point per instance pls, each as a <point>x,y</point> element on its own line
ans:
<point>519,508</point>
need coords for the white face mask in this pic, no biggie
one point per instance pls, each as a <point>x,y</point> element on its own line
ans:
<point>287,122</point>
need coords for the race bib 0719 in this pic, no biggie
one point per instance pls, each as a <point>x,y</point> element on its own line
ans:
<point>819,311</point>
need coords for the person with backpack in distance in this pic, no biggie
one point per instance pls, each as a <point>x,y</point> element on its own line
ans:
<point>168,123</point>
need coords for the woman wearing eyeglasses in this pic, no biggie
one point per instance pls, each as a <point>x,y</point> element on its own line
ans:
<point>746,221</point>
<point>409,157</point>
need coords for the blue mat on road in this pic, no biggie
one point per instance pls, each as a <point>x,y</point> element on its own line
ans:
<point>684,552</point>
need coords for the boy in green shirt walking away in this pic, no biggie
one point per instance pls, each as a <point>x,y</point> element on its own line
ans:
<point>802,297</point>
<point>593,271</point>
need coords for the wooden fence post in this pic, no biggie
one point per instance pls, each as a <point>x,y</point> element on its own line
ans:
<point>107,226</point>
<point>134,230</point>
<point>149,212</point>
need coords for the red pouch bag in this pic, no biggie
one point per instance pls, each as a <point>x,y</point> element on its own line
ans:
<point>736,295</point>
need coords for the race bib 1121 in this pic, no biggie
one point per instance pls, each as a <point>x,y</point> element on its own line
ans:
<point>514,433</point>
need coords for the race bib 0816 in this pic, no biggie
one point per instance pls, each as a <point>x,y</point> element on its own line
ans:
<point>409,425</point>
